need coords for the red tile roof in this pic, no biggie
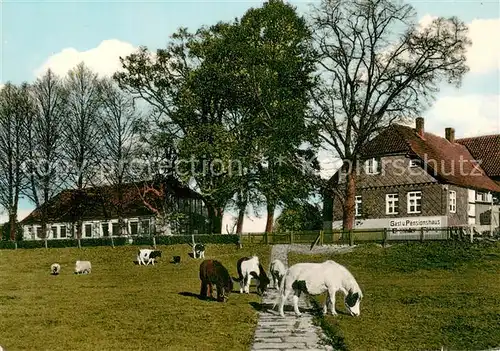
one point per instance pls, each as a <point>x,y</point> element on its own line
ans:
<point>390,141</point>
<point>487,149</point>
<point>99,203</point>
<point>448,162</point>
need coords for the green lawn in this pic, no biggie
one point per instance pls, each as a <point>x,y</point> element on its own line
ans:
<point>419,297</point>
<point>120,306</point>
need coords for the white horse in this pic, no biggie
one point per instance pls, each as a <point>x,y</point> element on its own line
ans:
<point>315,279</point>
<point>277,270</point>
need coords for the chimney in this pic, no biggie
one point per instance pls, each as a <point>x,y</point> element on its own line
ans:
<point>450,135</point>
<point>419,126</point>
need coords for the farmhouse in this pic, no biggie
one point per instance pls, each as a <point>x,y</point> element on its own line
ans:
<point>409,179</point>
<point>98,209</point>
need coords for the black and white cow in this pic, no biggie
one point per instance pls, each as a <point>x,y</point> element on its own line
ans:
<point>199,251</point>
<point>147,256</point>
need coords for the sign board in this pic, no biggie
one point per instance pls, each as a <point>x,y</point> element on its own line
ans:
<point>416,222</point>
<point>398,223</point>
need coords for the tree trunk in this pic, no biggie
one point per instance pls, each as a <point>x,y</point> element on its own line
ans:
<point>241,218</point>
<point>13,224</point>
<point>215,214</point>
<point>349,205</point>
<point>79,231</point>
<point>270,217</point>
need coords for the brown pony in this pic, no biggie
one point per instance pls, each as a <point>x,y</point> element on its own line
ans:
<point>213,272</point>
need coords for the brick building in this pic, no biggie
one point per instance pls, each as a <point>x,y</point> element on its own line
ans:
<point>409,179</point>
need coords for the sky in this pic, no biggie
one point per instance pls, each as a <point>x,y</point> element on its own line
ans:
<point>36,35</point>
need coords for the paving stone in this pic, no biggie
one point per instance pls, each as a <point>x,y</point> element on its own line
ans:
<point>290,332</point>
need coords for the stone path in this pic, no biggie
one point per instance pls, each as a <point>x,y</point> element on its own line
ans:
<point>290,333</point>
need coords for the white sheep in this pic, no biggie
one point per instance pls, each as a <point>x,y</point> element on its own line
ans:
<point>55,269</point>
<point>83,267</point>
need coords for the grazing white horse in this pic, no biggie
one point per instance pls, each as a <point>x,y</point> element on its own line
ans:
<point>315,279</point>
<point>277,270</point>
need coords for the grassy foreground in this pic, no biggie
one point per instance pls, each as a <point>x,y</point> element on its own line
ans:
<point>419,297</point>
<point>120,305</point>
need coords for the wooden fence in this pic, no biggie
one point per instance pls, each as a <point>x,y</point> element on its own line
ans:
<point>383,235</point>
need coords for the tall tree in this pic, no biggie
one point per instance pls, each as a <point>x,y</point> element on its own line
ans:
<point>377,66</point>
<point>119,121</point>
<point>45,140</point>
<point>82,133</point>
<point>299,216</point>
<point>272,46</point>
<point>15,109</point>
<point>188,96</point>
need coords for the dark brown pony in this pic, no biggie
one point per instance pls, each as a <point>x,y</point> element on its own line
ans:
<point>213,272</point>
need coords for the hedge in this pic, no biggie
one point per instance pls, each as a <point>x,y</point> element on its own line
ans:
<point>120,241</point>
<point>187,239</point>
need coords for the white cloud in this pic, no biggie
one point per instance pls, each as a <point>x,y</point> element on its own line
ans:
<point>484,54</point>
<point>103,59</point>
<point>470,115</point>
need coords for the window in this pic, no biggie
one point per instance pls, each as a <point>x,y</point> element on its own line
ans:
<point>133,228</point>
<point>105,229</point>
<point>453,201</point>
<point>480,196</point>
<point>145,226</point>
<point>39,232</point>
<point>62,231</point>
<point>391,203</point>
<point>54,232</point>
<point>372,166</point>
<point>358,206</point>
<point>414,202</point>
<point>116,229</point>
<point>414,162</point>
<point>88,230</point>
<point>484,197</point>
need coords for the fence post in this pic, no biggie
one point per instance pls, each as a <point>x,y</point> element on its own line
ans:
<point>154,242</point>
<point>266,238</point>
<point>321,239</point>
<point>291,237</point>
<point>422,234</point>
<point>351,238</point>
<point>15,245</point>
<point>384,237</point>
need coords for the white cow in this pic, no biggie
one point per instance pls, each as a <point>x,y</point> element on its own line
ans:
<point>55,269</point>
<point>315,279</point>
<point>83,267</point>
<point>147,256</point>
<point>277,270</point>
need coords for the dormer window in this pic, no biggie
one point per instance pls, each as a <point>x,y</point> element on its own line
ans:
<point>414,162</point>
<point>372,166</point>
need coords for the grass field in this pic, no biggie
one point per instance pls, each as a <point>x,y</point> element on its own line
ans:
<point>419,297</point>
<point>120,305</point>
